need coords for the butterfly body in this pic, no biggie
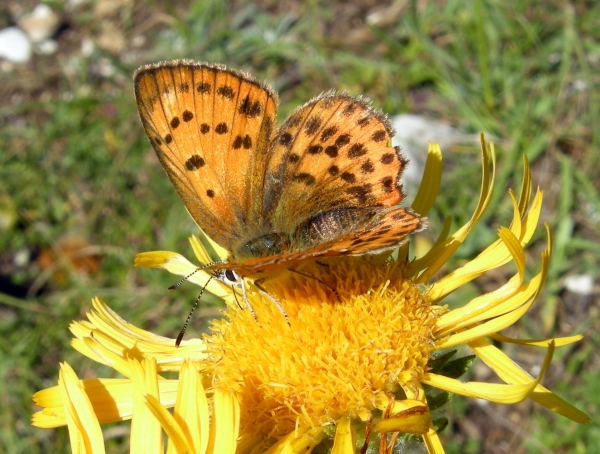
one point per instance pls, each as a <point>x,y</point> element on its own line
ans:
<point>324,184</point>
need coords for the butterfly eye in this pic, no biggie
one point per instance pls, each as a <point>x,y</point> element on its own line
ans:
<point>230,277</point>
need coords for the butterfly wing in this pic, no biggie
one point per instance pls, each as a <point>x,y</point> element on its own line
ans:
<point>210,127</point>
<point>331,153</point>
<point>384,231</point>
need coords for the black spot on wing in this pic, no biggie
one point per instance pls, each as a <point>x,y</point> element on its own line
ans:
<point>305,178</point>
<point>379,136</point>
<point>331,151</point>
<point>221,128</point>
<point>203,88</point>
<point>226,91</point>
<point>250,109</point>
<point>328,133</point>
<point>387,158</point>
<point>312,125</point>
<point>357,150</point>
<point>194,162</point>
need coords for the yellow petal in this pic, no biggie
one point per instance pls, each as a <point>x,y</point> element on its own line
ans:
<point>344,437</point>
<point>382,402</point>
<point>107,357</point>
<point>431,181</point>
<point>178,439</point>
<point>520,302</point>
<point>224,424</point>
<point>84,428</point>
<point>497,254</point>
<point>432,442</point>
<point>508,371</point>
<point>111,333</point>
<point>415,420</point>
<point>300,441</point>
<point>179,265</point>
<point>558,341</point>
<point>447,249</point>
<point>192,411</point>
<point>505,394</point>
<point>476,309</point>
<point>146,435</point>
<point>200,251</point>
<point>526,187</point>
<point>425,260</point>
<point>110,398</point>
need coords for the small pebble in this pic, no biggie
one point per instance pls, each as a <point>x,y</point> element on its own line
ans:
<point>14,45</point>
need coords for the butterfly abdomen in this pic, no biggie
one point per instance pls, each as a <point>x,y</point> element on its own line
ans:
<point>331,224</point>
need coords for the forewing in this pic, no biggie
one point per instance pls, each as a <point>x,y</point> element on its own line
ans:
<point>210,127</point>
<point>331,153</point>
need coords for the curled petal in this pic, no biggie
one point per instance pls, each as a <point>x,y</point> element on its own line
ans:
<point>505,394</point>
<point>415,420</point>
<point>508,371</point>
<point>443,252</point>
<point>558,341</point>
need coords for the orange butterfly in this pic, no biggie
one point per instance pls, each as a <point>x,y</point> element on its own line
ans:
<point>324,184</point>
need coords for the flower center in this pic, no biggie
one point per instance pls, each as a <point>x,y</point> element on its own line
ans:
<point>336,356</point>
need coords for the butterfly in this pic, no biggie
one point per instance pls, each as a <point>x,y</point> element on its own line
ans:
<point>324,184</point>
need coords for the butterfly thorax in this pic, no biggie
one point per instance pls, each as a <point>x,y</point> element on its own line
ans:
<point>273,243</point>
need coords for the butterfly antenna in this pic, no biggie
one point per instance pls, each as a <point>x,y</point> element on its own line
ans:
<point>274,300</point>
<point>200,268</point>
<point>310,276</point>
<point>189,317</point>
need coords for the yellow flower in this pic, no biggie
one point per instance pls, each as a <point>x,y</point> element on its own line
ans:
<point>349,366</point>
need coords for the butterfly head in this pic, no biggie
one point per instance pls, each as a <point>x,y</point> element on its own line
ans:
<point>228,277</point>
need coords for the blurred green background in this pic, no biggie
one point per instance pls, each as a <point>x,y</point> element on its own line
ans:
<point>81,191</point>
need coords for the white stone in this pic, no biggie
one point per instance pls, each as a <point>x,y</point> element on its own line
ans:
<point>87,47</point>
<point>14,45</point>
<point>582,284</point>
<point>47,47</point>
<point>414,133</point>
<point>40,24</point>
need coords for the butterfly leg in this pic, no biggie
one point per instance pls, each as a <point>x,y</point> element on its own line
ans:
<point>235,296</point>
<point>310,276</point>
<point>247,301</point>
<point>274,300</point>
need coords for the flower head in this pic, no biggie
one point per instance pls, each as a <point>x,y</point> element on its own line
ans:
<point>364,335</point>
